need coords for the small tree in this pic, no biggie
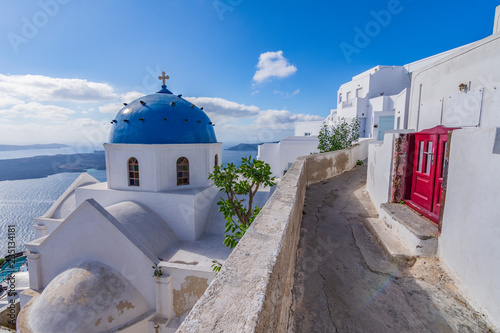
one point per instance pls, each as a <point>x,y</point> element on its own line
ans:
<point>238,183</point>
<point>340,136</point>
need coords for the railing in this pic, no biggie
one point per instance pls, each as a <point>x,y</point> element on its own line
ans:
<point>347,104</point>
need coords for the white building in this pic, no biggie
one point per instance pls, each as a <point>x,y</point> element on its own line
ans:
<point>372,96</point>
<point>280,156</point>
<point>379,97</point>
<point>444,164</point>
<point>133,254</point>
<point>308,128</point>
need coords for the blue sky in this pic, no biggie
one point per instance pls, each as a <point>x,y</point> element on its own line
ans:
<point>89,56</point>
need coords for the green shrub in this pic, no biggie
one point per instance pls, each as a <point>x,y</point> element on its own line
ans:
<point>340,136</point>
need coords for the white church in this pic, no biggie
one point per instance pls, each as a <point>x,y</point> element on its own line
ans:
<point>133,254</point>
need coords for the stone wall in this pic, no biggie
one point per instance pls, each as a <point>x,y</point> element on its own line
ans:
<point>404,143</point>
<point>252,293</point>
<point>5,315</point>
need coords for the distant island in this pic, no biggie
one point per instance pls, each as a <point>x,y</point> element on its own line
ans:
<point>36,146</point>
<point>43,166</point>
<point>247,146</point>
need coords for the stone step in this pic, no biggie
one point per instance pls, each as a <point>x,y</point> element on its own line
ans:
<point>418,234</point>
<point>390,244</point>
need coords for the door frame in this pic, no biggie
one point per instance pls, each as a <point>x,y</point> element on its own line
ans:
<point>438,135</point>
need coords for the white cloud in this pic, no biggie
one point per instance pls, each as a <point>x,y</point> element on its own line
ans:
<point>117,106</point>
<point>131,96</point>
<point>223,107</point>
<point>55,104</point>
<point>273,64</point>
<point>6,100</point>
<point>37,110</point>
<point>112,108</point>
<point>282,119</point>
<point>44,88</point>
<point>227,111</point>
<point>244,123</point>
<point>86,132</point>
<point>286,95</point>
<point>9,113</point>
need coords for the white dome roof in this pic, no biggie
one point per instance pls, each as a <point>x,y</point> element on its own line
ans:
<point>90,297</point>
<point>145,225</point>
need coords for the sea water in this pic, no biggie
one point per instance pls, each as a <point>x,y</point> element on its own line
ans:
<point>11,154</point>
<point>23,200</point>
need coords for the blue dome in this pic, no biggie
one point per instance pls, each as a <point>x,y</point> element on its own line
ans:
<point>161,118</point>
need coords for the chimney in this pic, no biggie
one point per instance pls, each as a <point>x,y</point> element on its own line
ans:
<point>496,27</point>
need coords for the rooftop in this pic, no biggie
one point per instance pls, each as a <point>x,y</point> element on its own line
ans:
<point>196,255</point>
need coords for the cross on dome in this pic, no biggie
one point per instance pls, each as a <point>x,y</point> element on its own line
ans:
<point>163,77</point>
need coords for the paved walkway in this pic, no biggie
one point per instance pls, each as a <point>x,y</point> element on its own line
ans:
<point>345,283</point>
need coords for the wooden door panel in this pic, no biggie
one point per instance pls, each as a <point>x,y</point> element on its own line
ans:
<point>438,186</point>
<point>422,188</point>
<point>423,181</point>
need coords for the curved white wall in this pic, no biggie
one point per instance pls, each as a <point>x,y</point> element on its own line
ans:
<point>158,164</point>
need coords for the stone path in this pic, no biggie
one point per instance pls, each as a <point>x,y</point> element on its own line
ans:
<point>344,282</point>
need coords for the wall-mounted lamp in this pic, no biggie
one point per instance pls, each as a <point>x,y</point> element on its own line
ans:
<point>463,87</point>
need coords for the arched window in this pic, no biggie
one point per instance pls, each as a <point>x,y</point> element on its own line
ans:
<point>216,163</point>
<point>133,172</point>
<point>182,171</point>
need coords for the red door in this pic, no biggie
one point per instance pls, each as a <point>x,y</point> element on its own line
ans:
<point>423,172</point>
<point>427,177</point>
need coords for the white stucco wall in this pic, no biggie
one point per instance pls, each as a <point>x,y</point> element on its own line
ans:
<point>311,127</point>
<point>379,174</point>
<point>158,165</point>
<point>496,26</point>
<point>470,239</point>
<point>270,153</point>
<point>389,80</point>
<point>401,109</point>
<point>184,210</point>
<point>280,156</point>
<point>435,87</point>
<point>88,235</point>
<point>381,88</point>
